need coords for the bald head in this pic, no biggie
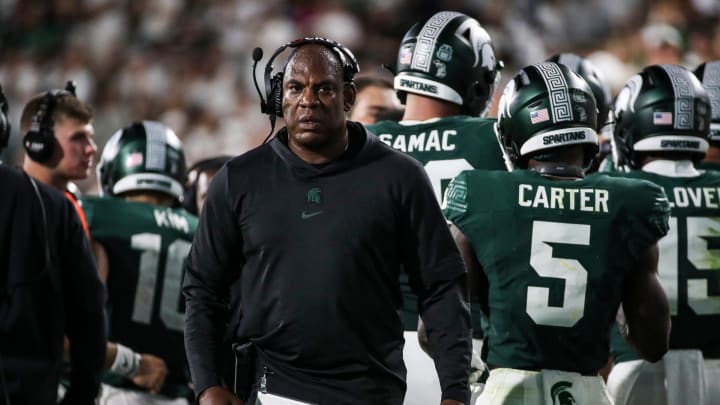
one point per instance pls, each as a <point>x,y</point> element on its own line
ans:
<point>315,98</point>
<point>329,56</point>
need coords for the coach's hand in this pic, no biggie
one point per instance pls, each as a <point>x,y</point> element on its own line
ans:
<point>451,402</point>
<point>219,396</point>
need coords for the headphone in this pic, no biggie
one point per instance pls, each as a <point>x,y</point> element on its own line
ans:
<point>4,121</point>
<point>40,138</point>
<point>272,103</point>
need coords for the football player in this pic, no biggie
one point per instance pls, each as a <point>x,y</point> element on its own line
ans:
<point>199,177</point>
<point>140,240</point>
<point>446,74</point>
<point>601,90</point>
<point>60,147</point>
<point>375,100</point>
<point>661,133</point>
<point>555,254</point>
<point>709,75</point>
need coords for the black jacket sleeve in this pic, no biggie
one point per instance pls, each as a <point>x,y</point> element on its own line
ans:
<point>210,269</point>
<point>434,264</point>
<point>84,300</point>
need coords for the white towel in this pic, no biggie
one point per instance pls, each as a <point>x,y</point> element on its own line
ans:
<point>685,377</point>
<point>622,380</point>
<point>270,399</point>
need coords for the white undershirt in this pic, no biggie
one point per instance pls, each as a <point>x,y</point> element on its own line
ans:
<point>672,168</point>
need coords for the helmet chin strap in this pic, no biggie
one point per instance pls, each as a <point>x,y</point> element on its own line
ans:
<point>558,170</point>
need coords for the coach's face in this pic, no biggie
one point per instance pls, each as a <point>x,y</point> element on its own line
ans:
<point>315,99</point>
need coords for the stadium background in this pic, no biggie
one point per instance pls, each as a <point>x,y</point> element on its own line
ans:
<point>188,64</point>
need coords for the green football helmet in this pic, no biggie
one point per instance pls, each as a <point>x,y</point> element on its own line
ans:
<point>594,78</point>
<point>450,57</point>
<point>145,156</point>
<point>545,106</point>
<point>709,75</point>
<point>662,109</point>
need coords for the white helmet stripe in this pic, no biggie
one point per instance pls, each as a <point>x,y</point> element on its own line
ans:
<point>715,131</point>
<point>571,60</point>
<point>684,94</point>
<point>149,181</point>
<point>422,55</point>
<point>155,145</point>
<point>419,85</point>
<point>671,143</point>
<point>557,87</point>
<point>711,82</point>
<point>559,137</point>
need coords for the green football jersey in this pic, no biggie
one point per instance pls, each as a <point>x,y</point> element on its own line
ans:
<point>446,147</point>
<point>689,263</point>
<point>146,246</point>
<point>705,165</point>
<point>555,254</point>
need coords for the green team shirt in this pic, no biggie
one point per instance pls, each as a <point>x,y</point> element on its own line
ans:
<point>705,165</point>
<point>689,264</point>
<point>146,245</point>
<point>555,254</point>
<point>446,147</point>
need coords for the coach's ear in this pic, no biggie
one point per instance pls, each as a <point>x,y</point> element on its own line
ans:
<point>349,95</point>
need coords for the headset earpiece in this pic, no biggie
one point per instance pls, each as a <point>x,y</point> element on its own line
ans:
<point>39,141</point>
<point>275,96</point>
<point>4,121</point>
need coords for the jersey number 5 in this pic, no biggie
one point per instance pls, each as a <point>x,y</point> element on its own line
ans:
<point>699,231</point>
<point>570,270</point>
<point>149,244</point>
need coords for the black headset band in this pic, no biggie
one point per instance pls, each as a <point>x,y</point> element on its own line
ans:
<point>43,116</point>
<point>346,57</point>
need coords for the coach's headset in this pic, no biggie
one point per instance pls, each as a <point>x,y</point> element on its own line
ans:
<point>4,121</point>
<point>272,103</point>
<point>39,140</point>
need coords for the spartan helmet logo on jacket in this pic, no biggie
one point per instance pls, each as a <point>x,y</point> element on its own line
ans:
<point>450,57</point>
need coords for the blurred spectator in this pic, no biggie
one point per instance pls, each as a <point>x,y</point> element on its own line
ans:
<point>156,59</point>
<point>375,98</point>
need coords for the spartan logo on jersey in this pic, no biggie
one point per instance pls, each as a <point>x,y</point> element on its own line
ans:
<point>456,196</point>
<point>561,395</point>
<point>313,196</point>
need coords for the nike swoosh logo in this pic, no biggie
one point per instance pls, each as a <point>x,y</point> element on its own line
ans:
<point>306,215</point>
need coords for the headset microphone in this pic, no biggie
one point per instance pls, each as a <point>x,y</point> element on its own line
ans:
<point>257,54</point>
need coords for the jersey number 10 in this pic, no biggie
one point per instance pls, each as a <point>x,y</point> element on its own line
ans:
<point>149,244</point>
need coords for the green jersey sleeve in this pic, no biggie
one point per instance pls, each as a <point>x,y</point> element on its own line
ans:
<point>647,216</point>
<point>455,201</point>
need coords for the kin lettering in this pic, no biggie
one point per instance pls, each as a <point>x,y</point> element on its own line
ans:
<point>169,219</point>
